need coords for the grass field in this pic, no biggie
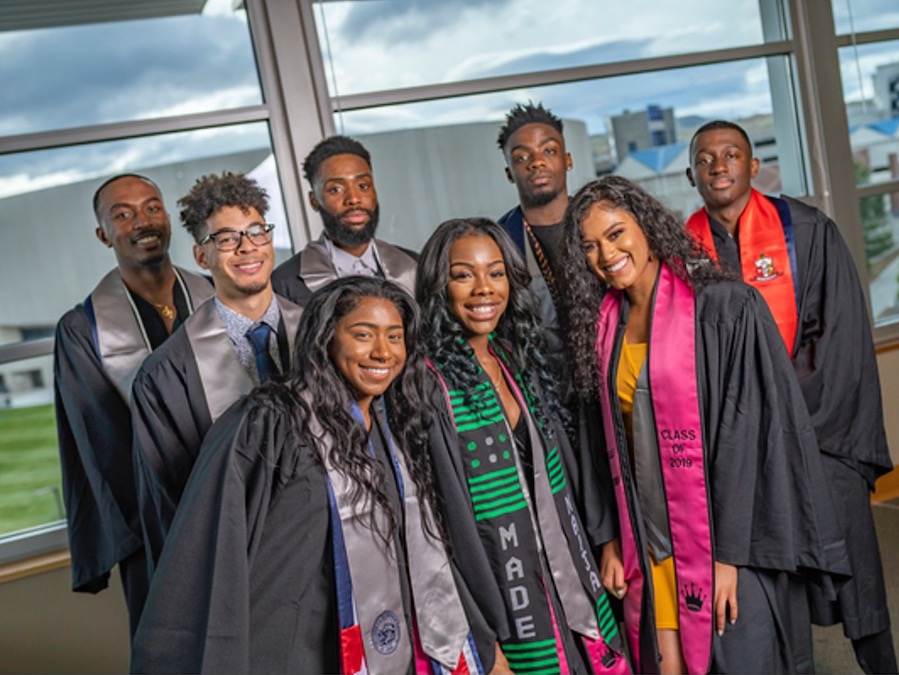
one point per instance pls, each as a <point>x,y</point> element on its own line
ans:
<point>30,481</point>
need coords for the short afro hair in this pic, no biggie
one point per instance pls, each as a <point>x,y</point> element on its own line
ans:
<point>212,193</point>
<point>521,115</point>
<point>716,125</point>
<point>330,147</point>
<point>110,181</point>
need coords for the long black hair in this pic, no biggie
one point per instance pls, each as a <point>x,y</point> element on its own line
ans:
<point>519,327</point>
<point>316,388</point>
<point>583,291</point>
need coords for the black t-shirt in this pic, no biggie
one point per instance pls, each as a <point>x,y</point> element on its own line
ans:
<point>550,238</point>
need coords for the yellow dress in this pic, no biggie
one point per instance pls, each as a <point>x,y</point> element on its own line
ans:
<point>629,365</point>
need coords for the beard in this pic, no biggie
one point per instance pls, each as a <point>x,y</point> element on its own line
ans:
<point>343,235</point>
<point>541,198</point>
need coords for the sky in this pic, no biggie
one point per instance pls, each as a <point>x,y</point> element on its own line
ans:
<point>76,76</point>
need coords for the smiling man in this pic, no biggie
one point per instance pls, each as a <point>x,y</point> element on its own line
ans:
<point>343,192</point>
<point>795,257</point>
<point>537,163</point>
<point>99,346</point>
<point>240,338</point>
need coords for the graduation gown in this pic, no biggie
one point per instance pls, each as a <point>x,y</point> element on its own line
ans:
<point>94,432</point>
<point>177,395</point>
<point>768,516</point>
<point>299,277</point>
<point>834,359</point>
<point>246,581</point>
<point>474,564</point>
<point>513,223</point>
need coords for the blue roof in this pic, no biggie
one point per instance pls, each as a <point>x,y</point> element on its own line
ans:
<point>886,127</point>
<point>660,157</point>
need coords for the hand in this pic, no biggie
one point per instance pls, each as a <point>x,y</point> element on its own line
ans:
<point>500,664</point>
<point>611,569</point>
<point>725,595</point>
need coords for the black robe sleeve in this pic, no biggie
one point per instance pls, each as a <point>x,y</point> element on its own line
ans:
<point>764,466</point>
<point>94,432</point>
<point>170,418</point>
<point>834,357</point>
<point>595,500</point>
<point>245,582</point>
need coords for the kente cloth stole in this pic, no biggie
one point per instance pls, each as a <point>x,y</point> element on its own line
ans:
<point>675,399</point>
<point>374,635</point>
<point>532,540</point>
<point>767,256</point>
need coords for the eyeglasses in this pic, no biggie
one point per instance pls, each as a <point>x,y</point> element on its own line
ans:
<point>229,240</point>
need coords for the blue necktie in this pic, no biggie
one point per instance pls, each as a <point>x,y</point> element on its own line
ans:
<point>265,365</point>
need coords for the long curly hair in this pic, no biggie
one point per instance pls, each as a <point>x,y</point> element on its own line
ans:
<point>583,291</point>
<point>315,388</point>
<point>519,329</point>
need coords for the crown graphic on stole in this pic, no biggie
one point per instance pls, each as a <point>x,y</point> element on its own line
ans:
<point>693,597</point>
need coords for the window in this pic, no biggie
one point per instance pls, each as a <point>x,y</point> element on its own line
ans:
<point>870,77</point>
<point>629,105</point>
<point>100,89</point>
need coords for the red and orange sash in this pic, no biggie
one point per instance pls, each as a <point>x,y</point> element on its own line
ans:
<point>765,259</point>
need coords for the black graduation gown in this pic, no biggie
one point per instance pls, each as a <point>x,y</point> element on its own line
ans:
<point>171,416</point>
<point>288,279</point>
<point>94,430</point>
<point>246,581</point>
<point>458,515</point>
<point>768,516</point>
<point>513,223</point>
<point>836,365</point>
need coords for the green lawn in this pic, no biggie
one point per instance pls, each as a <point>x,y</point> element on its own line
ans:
<point>29,468</point>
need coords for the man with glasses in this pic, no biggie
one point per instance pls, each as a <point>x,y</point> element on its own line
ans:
<point>343,192</point>
<point>238,339</point>
<point>99,346</point>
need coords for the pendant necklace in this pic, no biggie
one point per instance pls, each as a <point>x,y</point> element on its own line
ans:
<point>166,311</point>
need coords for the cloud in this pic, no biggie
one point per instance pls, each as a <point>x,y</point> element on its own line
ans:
<point>81,75</point>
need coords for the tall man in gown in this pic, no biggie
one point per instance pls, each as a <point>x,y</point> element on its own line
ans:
<point>533,146</point>
<point>99,346</point>
<point>343,192</point>
<point>238,339</point>
<point>794,255</point>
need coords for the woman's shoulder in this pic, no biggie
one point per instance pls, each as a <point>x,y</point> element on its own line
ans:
<point>725,298</point>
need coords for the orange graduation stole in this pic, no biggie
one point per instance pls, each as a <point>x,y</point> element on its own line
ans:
<point>764,258</point>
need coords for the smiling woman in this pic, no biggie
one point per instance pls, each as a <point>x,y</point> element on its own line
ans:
<point>312,506</point>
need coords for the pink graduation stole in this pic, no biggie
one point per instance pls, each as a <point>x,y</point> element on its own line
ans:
<point>675,398</point>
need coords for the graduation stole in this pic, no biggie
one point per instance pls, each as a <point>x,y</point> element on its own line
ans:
<point>675,399</point>
<point>767,257</point>
<point>120,339</point>
<point>517,529</point>
<point>374,635</point>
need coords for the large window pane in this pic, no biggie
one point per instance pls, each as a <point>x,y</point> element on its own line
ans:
<point>438,160</point>
<point>48,222</point>
<point>30,483</point>
<point>870,76</point>
<point>880,220</point>
<point>863,15</point>
<point>388,44</point>
<point>78,75</point>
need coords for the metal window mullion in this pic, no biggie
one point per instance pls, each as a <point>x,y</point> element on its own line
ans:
<point>559,76</point>
<point>19,351</point>
<point>115,131</point>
